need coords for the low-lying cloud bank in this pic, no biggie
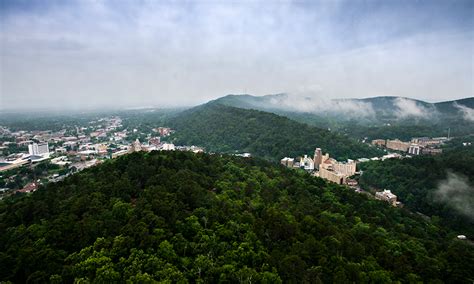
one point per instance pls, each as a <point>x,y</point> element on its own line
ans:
<point>410,108</point>
<point>318,105</point>
<point>458,193</point>
<point>467,112</point>
<point>402,107</point>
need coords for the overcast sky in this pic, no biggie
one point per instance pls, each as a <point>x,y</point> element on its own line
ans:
<point>77,54</point>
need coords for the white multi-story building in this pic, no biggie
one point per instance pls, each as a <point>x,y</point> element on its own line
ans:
<point>414,149</point>
<point>307,163</point>
<point>168,147</point>
<point>38,149</point>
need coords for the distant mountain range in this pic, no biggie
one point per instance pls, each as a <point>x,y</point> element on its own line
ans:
<point>414,117</point>
<point>377,109</point>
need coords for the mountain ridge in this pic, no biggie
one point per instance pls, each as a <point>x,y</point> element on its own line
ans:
<point>222,128</point>
<point>376,117</point>
<point>250,100</point>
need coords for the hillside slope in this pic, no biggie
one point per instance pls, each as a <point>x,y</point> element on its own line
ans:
<point>384,107</point>
<point>180,217</point>
<point>438,186</point>
<point>378,117</point>
<point>227,129</point>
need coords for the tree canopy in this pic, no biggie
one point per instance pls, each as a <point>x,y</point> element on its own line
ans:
<point>227,129</point>
<point>419,184</point>
<point>183,217</point>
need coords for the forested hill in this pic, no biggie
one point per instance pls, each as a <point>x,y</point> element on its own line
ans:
<point>378,117</point>
<point>181,217</point>
<point>227,129</point>
<point>440,186</point>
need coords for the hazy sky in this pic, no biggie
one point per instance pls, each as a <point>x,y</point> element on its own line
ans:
<point>163,53</point>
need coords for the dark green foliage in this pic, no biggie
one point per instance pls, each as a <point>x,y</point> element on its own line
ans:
<point>227,129</point>
<point>181,217</point>
<point>416,180</point>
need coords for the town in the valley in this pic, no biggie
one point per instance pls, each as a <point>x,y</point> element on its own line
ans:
<point>30,158</point>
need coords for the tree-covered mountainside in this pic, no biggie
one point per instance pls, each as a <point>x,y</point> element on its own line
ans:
<point>181,217</point>
<point>384,107</point>
<point>227,129</point>
<point>440,186</point>
<point>378,117</point>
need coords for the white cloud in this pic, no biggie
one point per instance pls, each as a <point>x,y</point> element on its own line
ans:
<point>410,108</point>
<point>317,104</point>
<point>457,192</point>
<point>468,113</point>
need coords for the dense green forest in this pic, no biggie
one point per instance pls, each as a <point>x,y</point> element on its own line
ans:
<point>199,218</point>
<point>227,129</point>
<point>418,182</point>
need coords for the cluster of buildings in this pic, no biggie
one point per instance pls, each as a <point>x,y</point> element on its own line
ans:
<point>155,145</point>
<point>323,166</point>
<point>163,131</point>
<point>417,146</point>
<point>75,148</point>
<point>332,170</point>
<point>37,152</point>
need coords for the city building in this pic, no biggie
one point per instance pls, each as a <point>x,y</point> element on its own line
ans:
<point>101,148</point>
<point>307,163</point>
<point>119,153</point>
<point>388,196</point>
<point>332,170</point>
<point>431,151</point>
<point>397,145</point>
<point>351,182</point>
<point>414,149</point>
<point>379,142</point>
<point>136,146</point>
<point>163,131</point>
<point>245,155</point>
<point>31,187</point>
<point>287,162</point>
<point>426,141</point>
<point>388,156</point>
<point>347,169</point>
<point>167,147</point>
<point>60,150</point>
<point>70,144</point>
<point>331,175</point>
<point>38,149</point>
<point>60,161</point>
<point>318,157</point>
<point>196,149</point>
<point>419,140</point>
<point>156,141</point>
